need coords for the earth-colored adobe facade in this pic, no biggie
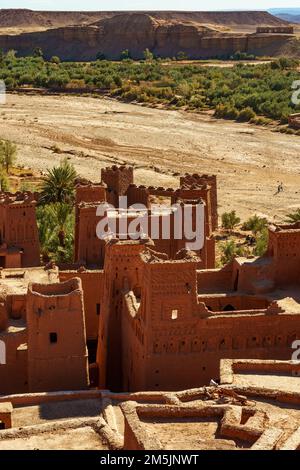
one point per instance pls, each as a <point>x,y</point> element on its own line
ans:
<point>139,315</point>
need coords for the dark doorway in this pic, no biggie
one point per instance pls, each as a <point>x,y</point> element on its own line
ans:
<point>53,338</point>
<point>228,308</point>
<point>92,350</point>
<point>236,282</point>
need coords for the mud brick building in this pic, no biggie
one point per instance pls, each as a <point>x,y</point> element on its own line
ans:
<point>19,241</point>
<point>43,328</point>
<point>119,181</point>
<point>166,325</point>
<point>144,314</point>
<point>275,30</point>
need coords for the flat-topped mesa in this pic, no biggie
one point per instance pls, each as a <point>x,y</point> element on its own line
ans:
<point>199,35</point>
<point>19,240</point>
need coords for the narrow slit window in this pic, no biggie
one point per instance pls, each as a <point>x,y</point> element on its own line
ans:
<point>53,338</point>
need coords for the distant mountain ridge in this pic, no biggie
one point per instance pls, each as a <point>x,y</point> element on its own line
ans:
<point>290,18</point>
<point>290,11</point>
<point>10,18</point>
<point>292,15</point>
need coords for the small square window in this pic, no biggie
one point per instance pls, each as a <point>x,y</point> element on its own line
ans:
<point>53,338</point>
<point>174,315</point>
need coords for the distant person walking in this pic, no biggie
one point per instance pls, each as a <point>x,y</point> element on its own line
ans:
<point>280,188</point>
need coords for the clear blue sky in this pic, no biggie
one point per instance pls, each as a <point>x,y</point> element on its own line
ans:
<point>148,4</point>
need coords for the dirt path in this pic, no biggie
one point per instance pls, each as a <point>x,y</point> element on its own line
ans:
<point>94,133</point>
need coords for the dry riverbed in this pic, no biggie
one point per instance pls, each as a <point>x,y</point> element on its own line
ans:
<point>93,133</point>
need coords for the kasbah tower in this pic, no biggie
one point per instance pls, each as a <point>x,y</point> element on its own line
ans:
<point>139,314</point>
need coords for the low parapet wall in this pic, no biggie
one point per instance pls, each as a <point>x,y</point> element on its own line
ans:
<point>228,367</point>
<point>31,399</point>
<point>220,279</point>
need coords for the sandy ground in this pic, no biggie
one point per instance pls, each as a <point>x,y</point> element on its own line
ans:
<point>185,434</point>
<point>50,412</point>
<point>68,439</point>
<point>93,133</point>
<point>73,425</point>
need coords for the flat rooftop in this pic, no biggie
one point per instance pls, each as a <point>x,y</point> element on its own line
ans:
<point>283,376</point>
<point>16,281</point>
<point>219,417</point>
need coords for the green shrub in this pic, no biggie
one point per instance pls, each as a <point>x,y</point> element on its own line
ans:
<point>55,60</point>
<point>242,56</point>
<point>230,251</point>
<point>181,56</point>
<point>285,63</point>
<point>148,55</point>
<point>38,52</point>
<point>261,243</point>
<point>255,224</point>
<point>117,80</point>
<point>226,112</point>
<point>246,114</point>
<point>4,182</point>
<point>130,95</point>
<point>242,92</point>
<point>230,220</point>
<point>293,217</point>
<point>260,121</point>
<point>125,55</point>
<point>100,56</point>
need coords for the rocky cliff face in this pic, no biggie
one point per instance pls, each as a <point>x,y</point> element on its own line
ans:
<point>25,17</point>
<point>136,32</point>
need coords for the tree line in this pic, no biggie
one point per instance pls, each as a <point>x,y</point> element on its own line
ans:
<point>245,92</point>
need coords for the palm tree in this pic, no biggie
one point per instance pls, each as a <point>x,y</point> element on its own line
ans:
<point>60,214</point>
<point>47,235</point>
<point>4,182</point>
<point>256,224</point>
<point>293,217</point>
<point>230,251</point>
<point>8,154</point>
<point>56,228</point>
<point>59,184</point>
